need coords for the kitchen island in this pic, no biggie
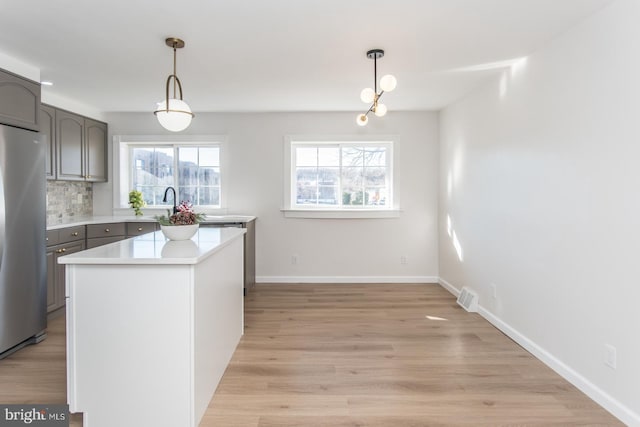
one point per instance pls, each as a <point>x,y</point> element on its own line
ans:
<point>151,326</point>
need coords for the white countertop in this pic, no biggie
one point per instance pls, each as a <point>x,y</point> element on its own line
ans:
<point>154,248</point>
<point>87,220</point>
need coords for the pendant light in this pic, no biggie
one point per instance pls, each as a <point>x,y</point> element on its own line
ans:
<point>173,113</point>
<point>368,95</point>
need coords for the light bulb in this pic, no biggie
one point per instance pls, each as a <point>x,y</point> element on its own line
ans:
<point>362,119</point>
<point>388,83</point>
<point>367,95</point>
<point>177,118</point>
<point>380,110</point>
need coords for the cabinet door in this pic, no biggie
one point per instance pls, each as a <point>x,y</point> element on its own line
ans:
<point>100,241</point>
<point>19,101</point>
<point>96,146</point>
<point>51,279</point>
<point>61,250</point>
<point>48,128</point>
<point>70,137</point>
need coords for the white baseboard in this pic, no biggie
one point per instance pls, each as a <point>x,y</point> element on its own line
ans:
<point>605,400</point>
<point>448,286</point>
<point>346,279</point>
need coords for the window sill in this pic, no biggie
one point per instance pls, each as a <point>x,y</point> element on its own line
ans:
<point>341,213</point>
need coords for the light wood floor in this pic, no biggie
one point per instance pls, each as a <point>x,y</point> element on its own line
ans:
<point>354,355</point>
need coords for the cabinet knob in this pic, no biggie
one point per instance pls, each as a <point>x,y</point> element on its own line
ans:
<point>61,250</point>
<point>106,230</point>
<point>74,234</point>
<point>139,228</point>
<point>89,176</point>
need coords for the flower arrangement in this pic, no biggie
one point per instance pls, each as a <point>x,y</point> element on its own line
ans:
<point>136,201</point>
<point>184,216</point>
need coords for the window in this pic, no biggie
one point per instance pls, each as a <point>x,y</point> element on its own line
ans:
<point>193,166</point>
<point>343,176</point>
<point>193,170</point>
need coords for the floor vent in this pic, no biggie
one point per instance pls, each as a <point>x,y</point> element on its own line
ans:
<point>468,300</point>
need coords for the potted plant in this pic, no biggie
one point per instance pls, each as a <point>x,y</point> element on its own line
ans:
<point>136,201</point>
<point>181,225</point>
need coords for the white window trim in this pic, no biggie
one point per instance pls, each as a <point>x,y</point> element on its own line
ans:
<point>289,211</point>
<point>121,170</point>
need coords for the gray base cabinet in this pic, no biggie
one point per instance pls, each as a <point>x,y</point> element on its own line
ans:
<point>69,240</point>
<point>19,101</point>
<point>59,243</point>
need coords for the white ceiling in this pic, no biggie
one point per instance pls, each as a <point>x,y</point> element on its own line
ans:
<point>276,55</point>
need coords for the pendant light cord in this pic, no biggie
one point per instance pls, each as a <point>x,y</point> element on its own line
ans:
<point>174,72</point>
<point>375,74</point>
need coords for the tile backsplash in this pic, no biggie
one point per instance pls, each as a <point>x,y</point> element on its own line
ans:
<point>67,200</point>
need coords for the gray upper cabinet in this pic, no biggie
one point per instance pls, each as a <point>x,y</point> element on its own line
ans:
<point>96,150</point>
<point>19,101</point>
<point>81,153</point>
<point>70,137</point>
<point>48,128</point>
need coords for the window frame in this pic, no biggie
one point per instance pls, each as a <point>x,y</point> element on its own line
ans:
<point>293,210</point>
<point>123,179</point>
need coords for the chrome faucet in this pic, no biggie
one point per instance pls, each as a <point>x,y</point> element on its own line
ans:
<point>164,199</point>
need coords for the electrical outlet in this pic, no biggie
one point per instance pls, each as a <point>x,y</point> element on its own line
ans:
<point>294,259</point>
<point>403,260</point>
<point>610,356</point>
<point>494,291</point>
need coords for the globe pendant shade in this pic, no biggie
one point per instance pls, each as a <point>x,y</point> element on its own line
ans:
<point>388,83</point>
<point>178,117</point>
<point>367,95</point>
<point>380,110</point>
<point>362,119</point>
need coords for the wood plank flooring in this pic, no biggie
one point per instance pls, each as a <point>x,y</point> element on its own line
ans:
<point>368,355</point>
<point>354,355</point>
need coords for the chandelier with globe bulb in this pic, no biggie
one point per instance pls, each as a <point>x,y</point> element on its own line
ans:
<point>372,96</point>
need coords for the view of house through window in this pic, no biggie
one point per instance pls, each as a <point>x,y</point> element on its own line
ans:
<point>194,171</point>
<point>344,175</point>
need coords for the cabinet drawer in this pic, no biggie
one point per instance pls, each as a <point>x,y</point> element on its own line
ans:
<point>99,241</point>
<point>105,230</point>
<point>53,237</point>
<point>71,234</point>
<point>138,228</point>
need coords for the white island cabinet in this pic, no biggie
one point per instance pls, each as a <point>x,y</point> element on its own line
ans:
<point>151,327</point>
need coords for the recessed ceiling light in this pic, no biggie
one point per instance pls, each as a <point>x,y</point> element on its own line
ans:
<point>46,83</point>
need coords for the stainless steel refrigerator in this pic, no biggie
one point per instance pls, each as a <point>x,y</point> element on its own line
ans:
<point>23,276</point>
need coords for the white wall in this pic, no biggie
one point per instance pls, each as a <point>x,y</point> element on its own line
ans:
<point>49,95</point>
<point>327,249</point>
<point>20,68</point>
<point>544,198</point>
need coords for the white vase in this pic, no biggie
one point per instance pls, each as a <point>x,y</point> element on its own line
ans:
<point>179,232</point>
